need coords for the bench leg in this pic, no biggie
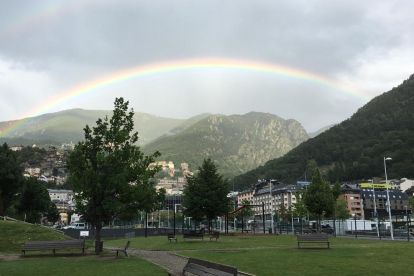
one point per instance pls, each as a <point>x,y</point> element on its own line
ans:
<point>117,254</point>
<point>126,254</point>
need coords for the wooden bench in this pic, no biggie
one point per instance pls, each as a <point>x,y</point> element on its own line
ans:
<point>201,267</point>
<point>216,235</point>
<point>123,250</point>
<point>171,236</point>
<point>194,235</point>
<point>53,245</point>
<point>313,238</point>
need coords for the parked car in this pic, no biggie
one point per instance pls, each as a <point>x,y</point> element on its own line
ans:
<point>77,225</point>
<point>57,226</point>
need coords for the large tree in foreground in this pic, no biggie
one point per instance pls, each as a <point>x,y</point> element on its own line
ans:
<point>110,174</point>
<point>319,199</point>
<point>11,178</point>
<point>206,193</point>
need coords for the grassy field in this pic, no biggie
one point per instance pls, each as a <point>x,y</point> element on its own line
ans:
<point>363,259</point>
<point>347,256</point>
<point>14,234</point>
<point>161,242</point>
<point>80,266</point>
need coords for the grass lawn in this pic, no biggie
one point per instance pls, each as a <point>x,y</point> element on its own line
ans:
<point>80,266</point>
<point>161,242</point>
<point>363,259</point>
<point>14,234</point>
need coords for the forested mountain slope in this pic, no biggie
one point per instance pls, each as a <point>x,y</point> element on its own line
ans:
<point>237,143</point>
<point>353,149</point>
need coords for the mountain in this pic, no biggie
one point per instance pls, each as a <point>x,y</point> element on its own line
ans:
<point>316,133</point>
<point>66,126</point>
<point>237,143</point>
<point>354,149</point>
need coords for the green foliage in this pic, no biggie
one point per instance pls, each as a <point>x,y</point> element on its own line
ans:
<point>283,212</point>
<point>354,149</point>
<point>341,209</point>
<point>206,193</point>
<point>31,155</point>
<point>318,197</point>
<point>247,211</point>
<point>11,178</point>
<point>52,213</point>
<point>411,202</point>
<point>109,173</point>
<point>299,208</point>
<point>336,190</point>
<point>34,201</point>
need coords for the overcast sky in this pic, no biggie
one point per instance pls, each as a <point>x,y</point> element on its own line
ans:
<point>50,47</point>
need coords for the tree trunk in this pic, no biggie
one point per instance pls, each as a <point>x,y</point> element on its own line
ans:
<point>1,210</point>
<point>98,240</point>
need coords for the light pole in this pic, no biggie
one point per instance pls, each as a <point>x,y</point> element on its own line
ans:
<point>375,208</point>
<point>388,195</point>
<point>271,207</point>
<point>168,220</point>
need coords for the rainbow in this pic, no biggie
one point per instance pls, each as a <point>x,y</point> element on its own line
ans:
<point>177,66</point>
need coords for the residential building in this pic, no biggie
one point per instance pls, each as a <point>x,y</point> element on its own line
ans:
<point>352,195</point>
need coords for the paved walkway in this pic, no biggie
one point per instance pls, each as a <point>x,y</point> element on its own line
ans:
<point>165,259</point>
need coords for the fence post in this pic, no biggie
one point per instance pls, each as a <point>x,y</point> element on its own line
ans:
<point>356,231</point>
<point>264,219</point>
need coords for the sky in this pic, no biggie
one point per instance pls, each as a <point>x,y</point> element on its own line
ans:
<point>49,48</point>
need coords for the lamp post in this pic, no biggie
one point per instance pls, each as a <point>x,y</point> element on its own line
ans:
<point>168,218</point>
<point>375,208</point>
<point>388,195</point>
<point>271,206</point>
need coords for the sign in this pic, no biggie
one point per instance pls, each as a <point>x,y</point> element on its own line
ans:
<point>302,183</point>
<point>376,186</point>
<point>84,233</point>
<point>376,215</point>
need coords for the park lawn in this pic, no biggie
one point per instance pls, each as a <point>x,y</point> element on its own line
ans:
<point>14,234</point>
<point>363,259</point>
<point>80,266</point>
<point>162,243</point>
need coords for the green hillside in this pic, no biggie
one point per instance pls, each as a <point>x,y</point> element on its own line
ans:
<point>355,148</point>
<point>66,126</point>
<point>236,143</point>
<point>15,234</point>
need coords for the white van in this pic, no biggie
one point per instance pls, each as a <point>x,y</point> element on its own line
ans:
<point>77,225</point>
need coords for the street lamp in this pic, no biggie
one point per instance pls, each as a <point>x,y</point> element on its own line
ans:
<point>388,195</point>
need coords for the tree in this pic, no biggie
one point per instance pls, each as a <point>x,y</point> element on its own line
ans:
<point>34,201</point>
<point>336,190</point>
<point>53,214</point>
<point>318,197</point>
<point>55,172</point>
<point>110,174</point>
<point>299,208</point>
<point>247,211</point>
<point>283,212</point>
<point>341,210</point>
<point>206,193</point>
<point>411,202</point>
<point>11,178</point>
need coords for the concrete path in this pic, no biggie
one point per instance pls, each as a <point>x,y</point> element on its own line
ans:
<point>165,259</point>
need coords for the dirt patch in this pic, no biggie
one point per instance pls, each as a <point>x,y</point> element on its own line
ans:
<point>10,257</point>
